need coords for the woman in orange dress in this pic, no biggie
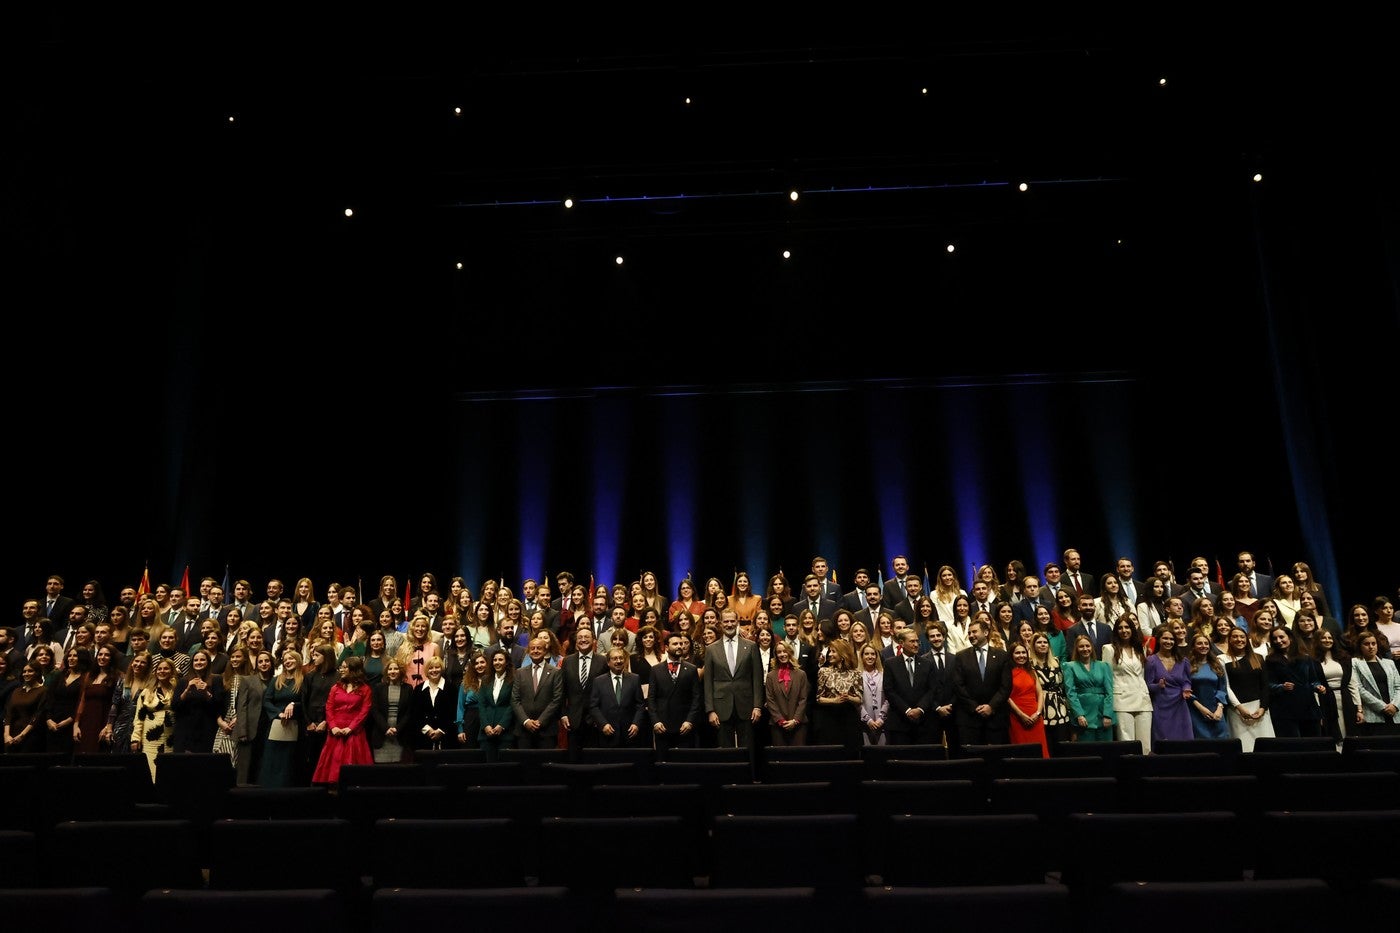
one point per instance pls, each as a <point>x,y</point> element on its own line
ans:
<point>347,708</point>
<point>745,601</point>
<point>1027,702</point>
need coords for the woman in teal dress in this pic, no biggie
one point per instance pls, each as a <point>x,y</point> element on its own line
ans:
<point>497,722</point>
<point>1089,687</point>
<point>283,705</point>
<point>1209,696</point>
<point>1045,623</point>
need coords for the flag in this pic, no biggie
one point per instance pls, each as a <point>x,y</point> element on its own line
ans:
<point>224,586</point>
<point>1219,575</point>
<point>833,577</point>
<point>144,589</point>
<point>407,593</point>
<point>880,576</point>
<point>185,582</point>
<point>734,583</point>
<point>927,589</point>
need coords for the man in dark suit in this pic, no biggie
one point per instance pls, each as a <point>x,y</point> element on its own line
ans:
<point>615,707</point>
<point>348,601</point>
<point>536,694</point>
<point>1032,595</point>
<point>1260,584</point>
<point>981,686</point>
<point>855,600</point>
<point>1194,590</point>
<point>579,670</point>
<point>907,608</point>
<point>940,726</point>
<point>186,625</point>
<point>983,599</point>
<point>895,589</point>
<point>734,684</point>
<point>822,572</point>
<point>565,582</point>
<point>1099,633</point>
<point>272,633</point>
<point>907,690</point>
<point>874,605</point>
<point>1131,588</point>
<point>55,606</point>
<point>673,699</point>
<point>813,599</point>
<point>1075,578</point>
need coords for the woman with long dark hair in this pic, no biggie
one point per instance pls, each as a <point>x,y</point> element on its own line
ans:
<point>1296,686</point>
<point>1169,684</point>
<point>347,709</point>
<point>1247,688</point>
<point>1132,704</point>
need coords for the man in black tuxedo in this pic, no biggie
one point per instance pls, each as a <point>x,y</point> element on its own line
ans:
<point>734,683</point>
<point>813,599</point>
<point>579,671</point>
<point>616,708</point>
<point>907,689</point>
<point>673,699</point>
<point>1099,633</point>
<point>981,686</point>
<point>536,694</point>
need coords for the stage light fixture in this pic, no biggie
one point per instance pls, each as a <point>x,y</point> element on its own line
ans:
<point>687,101</point>
<point>349,212</point>
<point>1023,187</point>
<point>1258,177</point>
<point>792,195</point>
<point>568,203</point>
<point>618,260</point>
<point>457,111</point>
<point>459,267</point>
<point>787,254</point>
<point>230,119</point>
<point>924,91</point>
<point>951,247</point>
<point>1161,82</point>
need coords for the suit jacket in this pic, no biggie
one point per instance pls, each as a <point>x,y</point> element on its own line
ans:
<point>1103,634</point>
<point>971,689</point>
<point>871,624</point>
<point>787,704</point>
<point>731,693</point>
<point>1367,693</point>
<point>894,593</point>
<point>378,722</point>
<point>248,703</point>
<point>904,694</point>
<point>61,607</point>
<point>1263,584</point>
<point>1091,586</point>
<point>576,695</point>
<point>673,702</point>
<point>440,713</point>
<point>853,601</point>
<point>606,709</point>
<point>496,712</point>
<point>528,703</point>
<point>831,591</point>
<point>826,608</point>
<point>941,681</point>
<point>1024,611</point>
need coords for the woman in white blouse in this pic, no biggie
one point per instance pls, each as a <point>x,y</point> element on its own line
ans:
<point>1127,659</point>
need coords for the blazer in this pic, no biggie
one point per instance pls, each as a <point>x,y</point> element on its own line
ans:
<point>853,601</point>
<point>787,704</point>
<point>737,692</point>
<point>248,706</point>
<point>576,694</point>
<point>496,712</point>
<point>826,608</point>
<point>378,722</point>
<point>1090,693</point>
<point>674,701</point>
<point>1103,635</point>
<point>1371,700</point>
<point>544,704</point>
<point>971,689</point>
<point>439,713</point>
<point>903,694</point>
<point>606,709</point>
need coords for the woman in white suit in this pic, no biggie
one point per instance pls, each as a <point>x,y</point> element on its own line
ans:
<point>1375,683</point>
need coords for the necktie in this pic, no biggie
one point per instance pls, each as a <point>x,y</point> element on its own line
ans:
<point>583,670</point>
<point>730,648</point>
<point>617,688</point>
<point>909,663</point>
<point>48,613</point>
<point>537,676</point>
<point>982,661</point>
<point>1078,587</point>
<point>938,659</point>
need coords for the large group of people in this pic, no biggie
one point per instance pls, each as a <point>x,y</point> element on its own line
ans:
<point>291,688</point>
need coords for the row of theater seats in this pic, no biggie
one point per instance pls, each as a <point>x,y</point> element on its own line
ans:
<point>1086,851</point>
<point>1276,906</point>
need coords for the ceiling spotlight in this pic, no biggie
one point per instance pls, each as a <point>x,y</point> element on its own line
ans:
<point>457,111</point>
<point>230,119</point>
<point>568,203</point>
<point>1023,187</point>
<point>618,260</point>
<point>792,195</point>
<point>687,101</point>
<point>1258,177</point>
<point>1161,82</point>
<point>923,90</point>
<point>787,254</point>
<point>459,267</point>
<point>951,247</point>
<point>349,212</point>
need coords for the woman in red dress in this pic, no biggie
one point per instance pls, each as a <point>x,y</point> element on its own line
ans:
<point>347,708</point>
<point>1027,702</point>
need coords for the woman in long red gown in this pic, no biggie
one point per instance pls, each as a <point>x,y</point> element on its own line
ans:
<point>1027,702</point>
<point>347,708</point>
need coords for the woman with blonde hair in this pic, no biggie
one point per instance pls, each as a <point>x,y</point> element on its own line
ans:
<point>417,650</point>
<point>836,718</point>
<point>283,705</point>
<point>155,721</point>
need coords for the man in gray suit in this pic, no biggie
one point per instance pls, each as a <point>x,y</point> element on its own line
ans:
<point>733,684</point>
<point>535,697</point>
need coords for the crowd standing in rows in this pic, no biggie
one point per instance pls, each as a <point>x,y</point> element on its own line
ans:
<point>291,688</point>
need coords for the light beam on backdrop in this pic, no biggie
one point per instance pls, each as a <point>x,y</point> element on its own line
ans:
<point>1113,473</point>
<point>966,474</point>
<point>471,512</point>
<point>889,472</point>
<point>755,479</point>
<point>532,499</point>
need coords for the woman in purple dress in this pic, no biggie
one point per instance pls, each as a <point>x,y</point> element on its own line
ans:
<point>1169,683</point>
